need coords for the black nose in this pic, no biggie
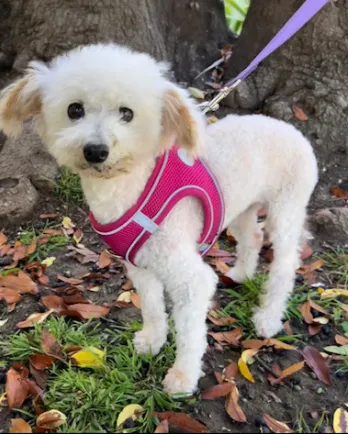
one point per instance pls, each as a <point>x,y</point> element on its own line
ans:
<point>95,153</point>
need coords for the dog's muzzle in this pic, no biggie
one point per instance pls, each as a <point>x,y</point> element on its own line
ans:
<point>95,153</point>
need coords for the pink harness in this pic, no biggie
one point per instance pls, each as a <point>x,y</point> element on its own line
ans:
<point>175,176</point>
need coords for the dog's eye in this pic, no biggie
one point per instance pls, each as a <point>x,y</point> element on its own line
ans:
<point>126,114</point>
<point>76,111</point>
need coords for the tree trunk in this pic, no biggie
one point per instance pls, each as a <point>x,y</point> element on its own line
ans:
<point>310,71</point>
<point>185,33</point>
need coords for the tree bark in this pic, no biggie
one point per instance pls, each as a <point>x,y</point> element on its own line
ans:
<point>310,71</point>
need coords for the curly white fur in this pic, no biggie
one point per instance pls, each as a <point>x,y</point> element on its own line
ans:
<point>258,161</point>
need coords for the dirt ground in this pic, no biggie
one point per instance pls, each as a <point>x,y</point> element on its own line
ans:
<point>303,395</point>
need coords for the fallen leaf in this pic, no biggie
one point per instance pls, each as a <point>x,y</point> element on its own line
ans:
<point>74,299</point>
<point>128,285</point>
<point>50,345</point>
<point>317,363</point>
<point>320,309</point>
<point>276,369</point>
<point>104,260</point>
<point>90,357</point>
<point>33,319</point>
<point>218,377</point>
<point>230,372</point>
<point>48,216</point>
<point>306,252</point>
<point>3,322</point>
<point>83,255</point>
<point>228,338</point>
<point>253,344</point>
<point>131,411</point>
<point>11,296</point>
<point>256,344</point>
<point>69,280</point>
<point>287,328</point>
<point>233,408</point>
<point>299,113</point>
<point>309,268</point>
<point>19,426</point>
<point>135,299</point>
<point>196,93</point>
<point>338,192</point>
<point>31,248</point>
<point>23,283</point>
<point>88,311</point>
<point>218,253</point>
<point>314,329</point>
<point>276,426</point>
<point>53,302</point>
<point>48,261</point>
<point>340,421</point>
<point>51,420</point>
<point>282,375</point>
<point>322,320</point>
<point>306,313</point>
<point>125,297</point>
<point>78,235</point>
<point>242,364</point>
<point>220,321</point>
<point>41,362</point>
<point>67,223</point>
<point>342,351</point>
<point>3,238</point>
<point>162,427</point>
<point>16,388</point>
<point>182,422</point>
<point>217,391</point>
<point>333,293</point>
<point>212,119</point>
<point>220,266</point>
<point>341,340</point>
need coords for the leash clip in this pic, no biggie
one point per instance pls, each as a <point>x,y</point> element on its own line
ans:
<point>213,105</point>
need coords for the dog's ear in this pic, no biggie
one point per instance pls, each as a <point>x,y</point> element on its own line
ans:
<point>182,121</point>
<point>21,100</point>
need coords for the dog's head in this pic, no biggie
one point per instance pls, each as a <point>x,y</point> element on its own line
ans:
<point>101,109</point>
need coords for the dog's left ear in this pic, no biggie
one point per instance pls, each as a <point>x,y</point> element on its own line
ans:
<point>21,100</point>
<point>182,121</point>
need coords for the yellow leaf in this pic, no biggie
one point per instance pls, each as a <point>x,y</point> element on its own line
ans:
<point>126,297</point>
<point>67,223</point>
<point>48,261</point>
<point>321,320</point>
<point>51,420</point>
<point>131,411</point>
<point>89,358</point>
<point>340,422</point>
<point>332,293</point>
<point>212,119</point>
<point>321,290</point>
<point>243,366</point>
<point>196,93</point>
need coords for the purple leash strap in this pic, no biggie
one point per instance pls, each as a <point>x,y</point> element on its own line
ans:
<point>304,14</point>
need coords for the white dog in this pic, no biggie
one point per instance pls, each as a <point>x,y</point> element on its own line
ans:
<point>122,103</point>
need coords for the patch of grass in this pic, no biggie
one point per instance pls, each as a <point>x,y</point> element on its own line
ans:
<point>68,187</point>
<point>337,264</point>
<point>303,427</point>
<point>92,398</point>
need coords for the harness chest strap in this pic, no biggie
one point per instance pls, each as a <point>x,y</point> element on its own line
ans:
<point>174,177</point>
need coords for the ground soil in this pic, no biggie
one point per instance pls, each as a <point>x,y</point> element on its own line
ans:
<point>284,402</point>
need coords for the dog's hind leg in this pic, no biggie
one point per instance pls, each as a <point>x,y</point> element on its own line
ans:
<point>249,237</point>
<point>285,226</point>
<point>151,291</point>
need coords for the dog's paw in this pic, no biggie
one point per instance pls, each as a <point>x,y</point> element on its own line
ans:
<point>146,342</point>
<point>266,323</point>
<point>237,275</point>
<point>176,382</point>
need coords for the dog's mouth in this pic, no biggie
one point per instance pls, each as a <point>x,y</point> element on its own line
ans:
<point>103,170</point>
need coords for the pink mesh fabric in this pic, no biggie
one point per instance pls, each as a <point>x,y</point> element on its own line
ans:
<point>173,178</point>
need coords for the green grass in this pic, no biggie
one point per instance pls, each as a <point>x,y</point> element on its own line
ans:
<point>92,399</point>
<point>68,187</point>
<point>336,262</point>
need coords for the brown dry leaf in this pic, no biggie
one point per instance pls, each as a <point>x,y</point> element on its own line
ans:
<point>104,260</point>
<point>74,299</point>
<point>233,408</point>
<point>69,280</point>
<point>338,192</point>
<point>78,235</point>
<point>22,283</point>
<point>53,302</point>
<point>228,338</point>
<point>31,248</point>
<point>17,390</point>
<point>230,372</point>
<point>19,426</point>
<point>163,427</point>
<point>88,311</point>
<point>41,362</point>
<point>43,280</point>
<point>341,340</point>
<point>51,420</point>
<point>227,281</point>
<point>128,285</point>
<point>309,268</point>
<point>299,113</point>
<point>282,375</point>
<point>279,345</point>
<point>287,328</point>
<point>33,319</point>
<point>218,377</point>
<point>135,299</point>
<point>3,238</point>
<point>213,316</point>
<point>314,329</point>
<point>50,345</point>
<point>83,255</point>
<point>256,344</point>
<point>220,266</point>
<point>182,422</point>
<point>48,216</point>
<point>276,426</point>
<point>340,421</point>
<point>217,391</point>
<point>20,252</point>
<point>4,250</point>
<point>253,344</point>
<point>218,253</point>
<point>317,363</point>
<point>307,252</point>
<point>276,369</point>
<point>306,313</point>
<point>11,296</point>
<point>320,309</point>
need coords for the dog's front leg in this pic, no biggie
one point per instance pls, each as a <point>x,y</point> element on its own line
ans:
<point>151,291</point>
<point>191,284</point>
